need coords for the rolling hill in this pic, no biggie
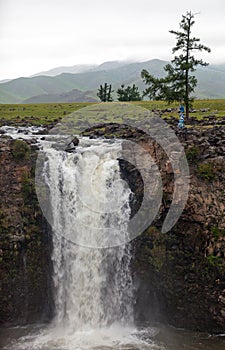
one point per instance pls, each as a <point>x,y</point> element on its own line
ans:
<point>66,87</point>
<point>79,68</point>
<point>71,96</point>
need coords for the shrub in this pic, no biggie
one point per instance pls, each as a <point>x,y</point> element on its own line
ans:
<point>192,154</point>
<point>215,261</point>
<point>206,171</point>
<point>27,189</point>
<point>217,233</point>
<point>20,150</point>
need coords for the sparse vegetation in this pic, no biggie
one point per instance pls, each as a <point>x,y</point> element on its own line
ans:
<point>206,171</point>
<point>27,188</point>
<point>217,233</point>
<point>20,150</point>
<point>49,114</point>
<point>215,261</point>
<point>192,154</point>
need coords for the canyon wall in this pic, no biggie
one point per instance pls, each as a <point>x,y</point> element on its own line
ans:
<point>178,276</point>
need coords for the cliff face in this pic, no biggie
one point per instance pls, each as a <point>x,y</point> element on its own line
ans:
<point>179,276</point>
<point>25,245</point>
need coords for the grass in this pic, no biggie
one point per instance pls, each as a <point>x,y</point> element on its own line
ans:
<point>37,114</point>
<point>216,107</point>
<point>50,113</point>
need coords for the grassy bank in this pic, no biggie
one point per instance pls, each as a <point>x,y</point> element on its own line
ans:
<point>50,113</point>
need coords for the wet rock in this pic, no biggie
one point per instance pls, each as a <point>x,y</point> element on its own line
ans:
<point>72,145</point>
<point>25,263</point>
<point>183,291</point>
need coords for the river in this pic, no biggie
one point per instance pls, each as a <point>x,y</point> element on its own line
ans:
<point>159,337</point>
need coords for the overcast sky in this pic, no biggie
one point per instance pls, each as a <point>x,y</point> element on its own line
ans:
<point>37,35</point>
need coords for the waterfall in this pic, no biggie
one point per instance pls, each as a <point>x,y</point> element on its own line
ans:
<point>86,202</point>
<point>89,204</point>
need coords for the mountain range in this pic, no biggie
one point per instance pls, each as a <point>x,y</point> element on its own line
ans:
<point>81,82</point>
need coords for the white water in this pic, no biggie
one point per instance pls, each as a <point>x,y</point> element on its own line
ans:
<point>87,204</point>
<point>89,209</point>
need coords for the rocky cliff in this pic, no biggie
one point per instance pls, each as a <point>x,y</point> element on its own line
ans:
<point>25,244</point>
<point>179,276</point>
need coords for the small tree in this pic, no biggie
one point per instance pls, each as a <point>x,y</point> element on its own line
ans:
<point>179,83</point>
<point>131,93</point>
<point>105,93</point>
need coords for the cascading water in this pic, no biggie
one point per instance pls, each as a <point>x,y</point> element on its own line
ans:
<point>90,210</point>
<point>87,204</point>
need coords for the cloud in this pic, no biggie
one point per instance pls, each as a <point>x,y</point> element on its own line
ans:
<point>34,34</point>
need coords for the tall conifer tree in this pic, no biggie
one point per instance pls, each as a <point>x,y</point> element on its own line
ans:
<point>179,83</point>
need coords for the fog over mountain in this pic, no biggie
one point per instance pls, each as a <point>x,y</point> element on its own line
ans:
<point>81,82</point>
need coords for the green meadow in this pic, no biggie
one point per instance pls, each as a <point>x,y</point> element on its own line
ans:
<point>50,113</point>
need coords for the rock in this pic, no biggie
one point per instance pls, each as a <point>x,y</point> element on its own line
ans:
<point>185,284</point>
<point>24,288</point>
<point>72,145</point>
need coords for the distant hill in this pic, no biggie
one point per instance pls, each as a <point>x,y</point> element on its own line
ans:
<point>218,67</point>
<point>110,65</point>
<point>65,86</point>
<point>81,68</point>
<point>71,69</point>
<point>70,96</point>
<point>4,81</point>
